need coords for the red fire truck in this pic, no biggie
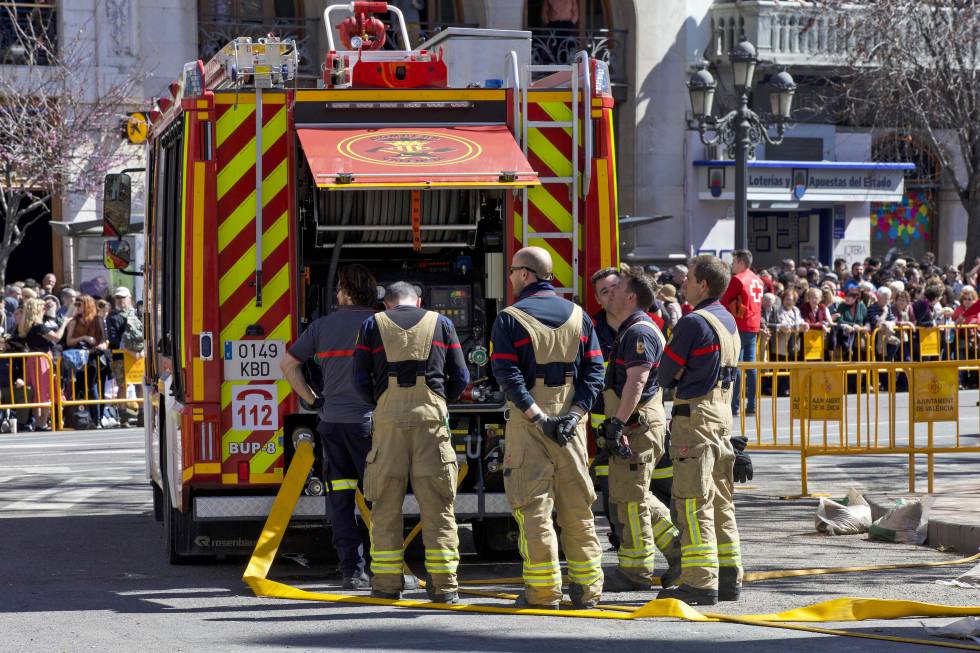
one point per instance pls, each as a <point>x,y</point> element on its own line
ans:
<point>429,165</point>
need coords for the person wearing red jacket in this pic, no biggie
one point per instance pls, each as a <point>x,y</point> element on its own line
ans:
<point>743,299</point>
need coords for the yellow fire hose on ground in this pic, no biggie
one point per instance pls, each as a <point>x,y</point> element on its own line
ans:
<point>842,609</point>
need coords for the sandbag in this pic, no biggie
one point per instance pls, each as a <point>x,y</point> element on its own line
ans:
<point>849,516</point>
<point>906,523</point>
<point>968,629</point>
<point>969,580</point>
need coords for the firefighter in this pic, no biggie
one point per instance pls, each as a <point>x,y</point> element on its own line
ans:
<point>547,360</point>
<point>605,322</point>
<point>344,426</point>
<point>700,362</point>
<point>408,363</point>
<point>634,432</point>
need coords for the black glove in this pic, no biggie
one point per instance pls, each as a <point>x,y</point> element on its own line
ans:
<point>610,437</point>
<point>549,426</point>
<point>742,471</point>
<point>567,425</point>
<point>315,406</point>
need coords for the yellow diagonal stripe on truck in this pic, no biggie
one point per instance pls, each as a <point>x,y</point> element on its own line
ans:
<point>231,120</point>
<point>271,292</point>
<point>245,265</point>
<point>242,216</point>
<point>545,150</point>
<point>242,162</point>
<point>559,112</point>
<point>550,207</point>
<point>263,460</point>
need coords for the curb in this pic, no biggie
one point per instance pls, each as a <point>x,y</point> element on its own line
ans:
<point>944,532</point>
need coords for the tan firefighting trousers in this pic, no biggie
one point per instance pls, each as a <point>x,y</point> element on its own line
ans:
<point>645,520</point>
<point>411,440</point>
<point>703,460</point>
<point>540,476</point>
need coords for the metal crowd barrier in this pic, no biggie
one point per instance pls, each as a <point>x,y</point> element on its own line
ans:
<point>78,383</point>
<point>22,391</point>
<point>852,408</point>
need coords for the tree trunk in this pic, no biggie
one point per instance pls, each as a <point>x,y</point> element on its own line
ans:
<point>4,257</point>
<point>972,206</point>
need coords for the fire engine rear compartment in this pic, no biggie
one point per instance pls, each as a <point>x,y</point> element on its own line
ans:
<point>454,254</point>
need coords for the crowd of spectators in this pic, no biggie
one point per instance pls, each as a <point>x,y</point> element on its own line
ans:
<point>89,338</point>
<point>862,308</point>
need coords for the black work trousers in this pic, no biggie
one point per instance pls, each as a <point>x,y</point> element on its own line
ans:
<point>345,448</point>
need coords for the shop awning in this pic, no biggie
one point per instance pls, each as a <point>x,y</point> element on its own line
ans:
<point>416,157</point>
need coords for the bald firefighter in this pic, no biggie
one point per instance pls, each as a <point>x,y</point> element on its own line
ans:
<point>408,364</point>
<point>700,363</point>
<point>547,360</point>
<point>634,434</point>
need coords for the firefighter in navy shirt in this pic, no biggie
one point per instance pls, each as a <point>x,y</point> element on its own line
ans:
<point>547,361</point>
<point>604,282</point>
<point>344,423</point>
<point>700,363</point>
<point>408,364</point>
<point>635,431</point>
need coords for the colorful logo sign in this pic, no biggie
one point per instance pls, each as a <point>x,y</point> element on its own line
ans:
<point>800,176</point>
<point>409,148</point>
<point>716,181</point>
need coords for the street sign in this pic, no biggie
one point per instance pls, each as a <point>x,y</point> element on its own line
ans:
<point>136,127</point>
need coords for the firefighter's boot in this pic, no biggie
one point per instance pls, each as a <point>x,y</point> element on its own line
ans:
<point>690,595</point>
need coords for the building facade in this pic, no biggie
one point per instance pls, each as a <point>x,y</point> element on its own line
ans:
<point>852,201</point>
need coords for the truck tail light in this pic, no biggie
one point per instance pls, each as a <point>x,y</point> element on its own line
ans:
<point>243,471</point>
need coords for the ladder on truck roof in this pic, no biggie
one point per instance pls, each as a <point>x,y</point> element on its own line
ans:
<point>574,182</point>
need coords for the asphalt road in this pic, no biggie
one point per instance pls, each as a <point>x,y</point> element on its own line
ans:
<point>83,569</point>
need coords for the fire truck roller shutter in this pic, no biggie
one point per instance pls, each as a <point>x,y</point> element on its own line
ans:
<point>383,217</point>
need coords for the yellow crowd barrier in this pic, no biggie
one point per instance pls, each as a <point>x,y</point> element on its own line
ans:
<point>79,383</point>
<point>853,408</point>
<point>29,382</point>
<point>886,343</point>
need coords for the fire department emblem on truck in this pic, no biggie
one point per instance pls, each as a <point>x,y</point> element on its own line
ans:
<point>409,148</point>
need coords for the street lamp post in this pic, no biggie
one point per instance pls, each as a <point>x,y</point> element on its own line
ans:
<point>742,129</point>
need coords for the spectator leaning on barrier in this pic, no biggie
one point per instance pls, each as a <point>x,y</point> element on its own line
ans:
<point>124,331</point>
<point>68,296</point>
<point>38,337</point>
<point>86,334</point>
<point>786,324</point>
<point>852,321</point>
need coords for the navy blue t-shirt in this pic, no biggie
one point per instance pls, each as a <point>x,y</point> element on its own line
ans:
<point>695,348</point>
<point>638,345</point>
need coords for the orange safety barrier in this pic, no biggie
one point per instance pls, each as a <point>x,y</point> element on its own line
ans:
<point>34,386</point>
<point>853,408</point>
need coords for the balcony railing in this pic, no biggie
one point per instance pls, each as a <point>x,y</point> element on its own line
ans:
<point>558,47</point>
<point>791,34</point>
<point>28,33</point>
<point>214,32</point>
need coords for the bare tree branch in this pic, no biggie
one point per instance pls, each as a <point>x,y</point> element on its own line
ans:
<point>913,68</point>
<point>62,123</point>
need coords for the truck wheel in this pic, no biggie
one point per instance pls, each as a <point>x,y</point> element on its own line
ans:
<point>157,501</point>
<point>495,538</point>
<point>177,528</point>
